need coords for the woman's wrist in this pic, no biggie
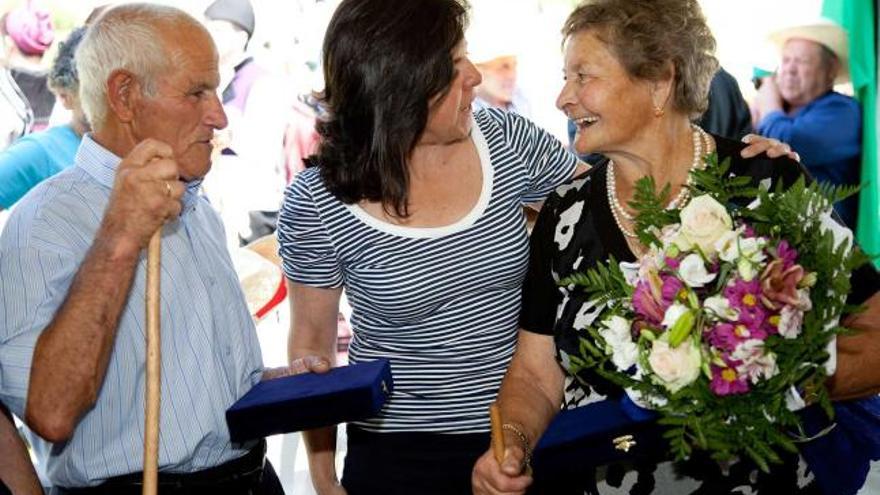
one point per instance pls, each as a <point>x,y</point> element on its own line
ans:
<point>522,440</point>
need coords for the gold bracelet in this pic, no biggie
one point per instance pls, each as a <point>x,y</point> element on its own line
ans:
<point>524,442</point>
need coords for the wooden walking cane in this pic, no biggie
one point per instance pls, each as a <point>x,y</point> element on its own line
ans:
<point>151,423</point>
<point>497,432</point>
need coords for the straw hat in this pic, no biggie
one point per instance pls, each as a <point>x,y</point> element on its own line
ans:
<point>822,31</point>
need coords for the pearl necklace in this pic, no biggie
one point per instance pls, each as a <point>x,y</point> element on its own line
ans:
<point>700,139</point>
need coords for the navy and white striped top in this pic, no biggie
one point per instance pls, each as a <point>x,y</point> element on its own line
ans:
<point>441,303</point>
<point>210,352</point>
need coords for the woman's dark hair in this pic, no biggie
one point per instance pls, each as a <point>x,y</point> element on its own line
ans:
<point>383,61</point>
<point>63,73</point>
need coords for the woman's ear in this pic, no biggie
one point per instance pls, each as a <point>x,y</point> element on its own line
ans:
<point>123,92</point>
<point>662,89</point>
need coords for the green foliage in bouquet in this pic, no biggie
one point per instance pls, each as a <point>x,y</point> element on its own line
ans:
<point>757,424</point>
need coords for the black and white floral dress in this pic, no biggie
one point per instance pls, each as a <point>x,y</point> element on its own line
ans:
<point>575,231</point>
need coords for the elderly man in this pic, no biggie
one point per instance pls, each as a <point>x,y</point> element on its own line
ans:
<point>73,270</point>
<point>799,106</point>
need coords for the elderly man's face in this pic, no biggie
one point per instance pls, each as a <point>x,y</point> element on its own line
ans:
<point>802,75</point>
<point>186,111</point>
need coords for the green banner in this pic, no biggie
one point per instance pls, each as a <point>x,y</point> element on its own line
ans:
<point>857,17</point>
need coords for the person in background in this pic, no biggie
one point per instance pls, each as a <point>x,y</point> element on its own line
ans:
<point>39,155</point>
<point>728,113</point>
<point>799,106</point>
<point>27,33</point>
<point>495,56</point>
<point>256,104</point>
<point>18,117</point>
<point>72,348</point>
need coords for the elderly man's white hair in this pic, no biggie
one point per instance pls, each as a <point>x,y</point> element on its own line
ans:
<point>125,37</point>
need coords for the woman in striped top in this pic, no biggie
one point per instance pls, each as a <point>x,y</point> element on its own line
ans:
<point>414,205</point>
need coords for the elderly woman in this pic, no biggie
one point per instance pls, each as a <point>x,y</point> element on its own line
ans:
<point>636,74</point>
<point>413,205</point>
<point>39,155</point>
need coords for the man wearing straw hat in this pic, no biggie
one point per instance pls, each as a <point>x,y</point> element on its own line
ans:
<point>800,107</point>
<point>72,288</point>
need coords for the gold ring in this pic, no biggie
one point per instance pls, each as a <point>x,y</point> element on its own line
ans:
<point>167,189</point>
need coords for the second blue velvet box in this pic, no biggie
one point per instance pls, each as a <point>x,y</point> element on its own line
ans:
<point>310,400</point>
<point>597,434</point>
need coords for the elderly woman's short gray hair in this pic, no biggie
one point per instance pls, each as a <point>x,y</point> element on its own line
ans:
<point>124,37</point>
<point>646,36</point>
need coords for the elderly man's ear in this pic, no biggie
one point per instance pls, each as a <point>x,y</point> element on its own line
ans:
<point>123,92</point>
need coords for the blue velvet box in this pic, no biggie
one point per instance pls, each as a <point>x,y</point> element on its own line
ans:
<point>311,400</point>
<point>597,434</point>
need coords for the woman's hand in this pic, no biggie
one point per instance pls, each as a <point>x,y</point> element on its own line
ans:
<point>305,364</point>
<point>488,477</point>
<point>760,144</point>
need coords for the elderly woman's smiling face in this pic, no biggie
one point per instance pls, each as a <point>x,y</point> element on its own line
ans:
<point>610,108</point>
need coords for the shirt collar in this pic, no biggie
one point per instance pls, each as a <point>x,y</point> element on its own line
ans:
<point>100,163</point>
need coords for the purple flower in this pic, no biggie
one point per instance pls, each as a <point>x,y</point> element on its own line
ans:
<point>724,337</point>
<point>645,304</point>
<point>726,381</point>
<point>670,290</point>
<point>727,336</point>
<point>745,297</point>
<point>786,253</point>
<point>672,262</point>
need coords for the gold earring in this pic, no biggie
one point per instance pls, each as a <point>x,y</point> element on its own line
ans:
<point>658,112</point>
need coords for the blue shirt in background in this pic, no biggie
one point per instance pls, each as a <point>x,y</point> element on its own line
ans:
<point>827,134</point>
<point>34,158</point>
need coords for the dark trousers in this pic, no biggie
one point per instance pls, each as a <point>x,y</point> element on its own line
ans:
<point>408,463</point>
<point>250,474</point>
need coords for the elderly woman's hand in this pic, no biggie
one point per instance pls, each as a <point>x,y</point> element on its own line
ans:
<point>490,478</point>
<point>305,364</point>
<point>774,148</point>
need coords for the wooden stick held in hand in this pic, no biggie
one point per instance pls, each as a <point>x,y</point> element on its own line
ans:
<point>153,393</point>
<point>497,432</point>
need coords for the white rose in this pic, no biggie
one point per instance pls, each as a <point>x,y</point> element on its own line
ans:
<point>616,333</point>
<point>677,367</point>
<point>693,272</point>
<point>703,221</point>
<point>673,313</point>
<point>719,306</point>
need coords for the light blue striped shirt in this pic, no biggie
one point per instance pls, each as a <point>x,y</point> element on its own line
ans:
<point>210,352</point>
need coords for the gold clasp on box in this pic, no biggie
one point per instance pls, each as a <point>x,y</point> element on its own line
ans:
<point>624,443</point>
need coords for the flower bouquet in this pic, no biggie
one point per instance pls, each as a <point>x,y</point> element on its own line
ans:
<point>730,318</point>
